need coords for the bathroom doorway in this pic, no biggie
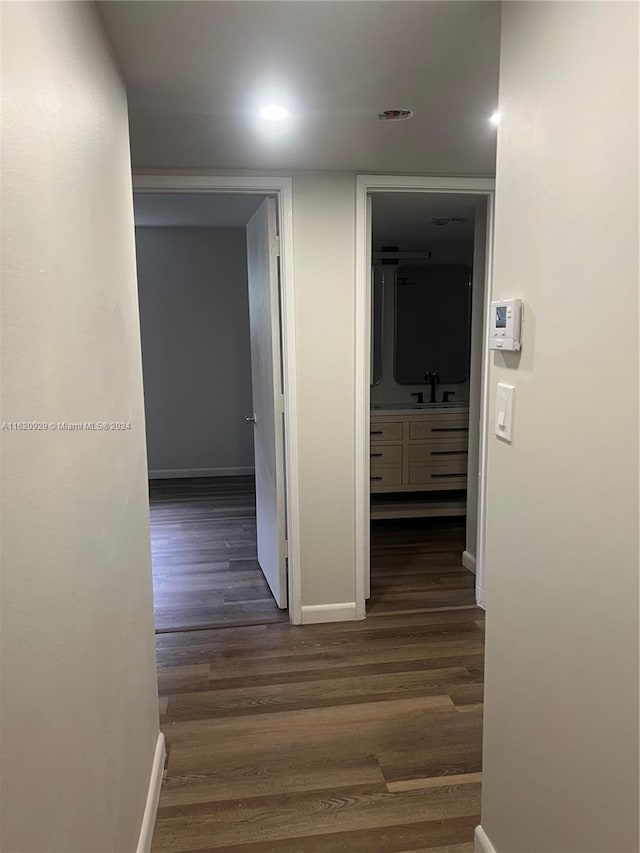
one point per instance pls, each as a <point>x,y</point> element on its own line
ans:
<point>419,475</point>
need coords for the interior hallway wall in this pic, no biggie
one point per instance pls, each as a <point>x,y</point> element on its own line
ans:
<point>79,697</point>
<point>196,350</point>
<point>560,770</point>
<point>324,256</point>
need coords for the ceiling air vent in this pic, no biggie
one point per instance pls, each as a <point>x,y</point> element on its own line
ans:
<point>395,115</point>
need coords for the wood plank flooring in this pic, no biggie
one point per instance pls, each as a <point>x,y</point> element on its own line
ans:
<point>203,548</point>
<point>415,565</point>
<point>358,737</point>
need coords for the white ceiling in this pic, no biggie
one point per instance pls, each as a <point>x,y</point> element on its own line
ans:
<point>405,219</point>
<point>194,210</point>
<point>197,73</point>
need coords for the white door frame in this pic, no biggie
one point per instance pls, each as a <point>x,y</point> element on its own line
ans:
<point>280,187</point>
<point>365,185</point>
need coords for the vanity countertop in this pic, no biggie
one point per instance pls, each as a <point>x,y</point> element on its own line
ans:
<point>418,408</point>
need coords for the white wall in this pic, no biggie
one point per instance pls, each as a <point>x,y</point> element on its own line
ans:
<point>324,247</point>
<point>79,703</point>
<point>561,728</point>
<point>196,353</point>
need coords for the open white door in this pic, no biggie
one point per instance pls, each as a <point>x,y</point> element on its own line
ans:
<point>266,370</point>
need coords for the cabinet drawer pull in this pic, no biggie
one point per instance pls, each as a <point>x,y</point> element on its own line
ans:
<point>449,452</point>
<point>375,454</point>
<point>375,432</point>
<point>375,478</point>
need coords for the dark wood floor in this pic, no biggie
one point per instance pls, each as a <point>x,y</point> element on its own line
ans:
<point>415,566</point>
<point>203,546</point>
<point>359,737</point>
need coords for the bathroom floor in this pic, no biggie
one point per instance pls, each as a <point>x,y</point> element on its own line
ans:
<point>415,566</point>
<point>361,736</point>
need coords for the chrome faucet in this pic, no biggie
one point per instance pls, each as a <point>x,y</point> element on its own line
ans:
<point>432,378</point>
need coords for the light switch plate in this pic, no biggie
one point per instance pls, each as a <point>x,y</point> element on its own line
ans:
<point>504,411</point>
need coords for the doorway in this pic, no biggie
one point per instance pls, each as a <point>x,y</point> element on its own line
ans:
<point>423,263</point>
<point>219,407</point>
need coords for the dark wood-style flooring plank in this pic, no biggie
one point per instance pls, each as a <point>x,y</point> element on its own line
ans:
<point>398,838</point>
<point>279,817</point>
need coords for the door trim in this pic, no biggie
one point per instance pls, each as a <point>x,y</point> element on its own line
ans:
<point>365,186</point>
<point>280,187</point>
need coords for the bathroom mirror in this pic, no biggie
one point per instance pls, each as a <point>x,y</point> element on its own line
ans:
<point>432,322</point>
<point>377,323</point>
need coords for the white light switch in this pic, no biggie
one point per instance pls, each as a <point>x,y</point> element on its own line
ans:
<point>504,411</point>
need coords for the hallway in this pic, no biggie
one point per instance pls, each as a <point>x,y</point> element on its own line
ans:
<point>360,736</point>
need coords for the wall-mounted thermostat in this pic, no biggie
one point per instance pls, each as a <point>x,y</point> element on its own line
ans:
<point>505,324</point>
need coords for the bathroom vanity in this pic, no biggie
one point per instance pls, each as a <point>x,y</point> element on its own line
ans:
<point>418,460</point>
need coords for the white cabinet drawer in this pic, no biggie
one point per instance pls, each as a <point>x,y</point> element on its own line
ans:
<point>440,428</point>
<point>385,476</point>
<point>453,450</point>
<point>445,475</point>
<point>385,431</point>
<point>386,454</point>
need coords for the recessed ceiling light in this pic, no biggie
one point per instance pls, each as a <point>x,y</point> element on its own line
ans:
<point>495,118</point>
<point>274,112</point>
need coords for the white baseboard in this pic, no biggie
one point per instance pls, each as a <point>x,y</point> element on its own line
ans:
<point>469,561</point>
<point>481,843</point>
<point>345,611</point>
<point>153,795</point>
<point>170,473</point>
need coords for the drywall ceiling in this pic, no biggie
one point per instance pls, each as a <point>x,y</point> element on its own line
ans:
<point>194,210</point>
<point>198,72</point>
<point>405,219</point>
